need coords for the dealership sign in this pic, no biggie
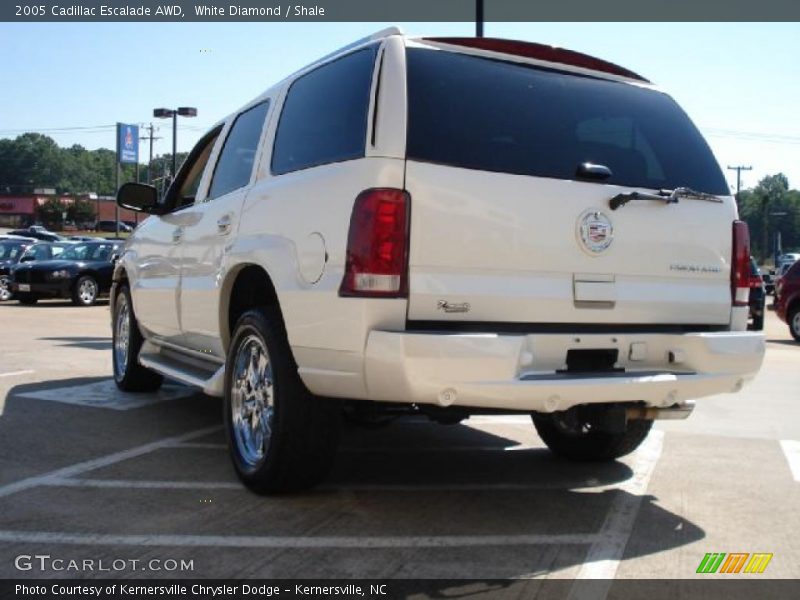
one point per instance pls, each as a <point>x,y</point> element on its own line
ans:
<point>127,143</point>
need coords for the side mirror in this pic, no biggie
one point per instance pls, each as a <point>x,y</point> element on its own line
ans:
<point>139,197</point>
<point>27,258</point>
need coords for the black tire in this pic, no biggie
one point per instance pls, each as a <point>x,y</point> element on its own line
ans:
<point>794,321</point>
<point>80,294</point>
<point>129,375</point>
<point>26,298</point>
<point>299,445</point>
<point>591,446</point>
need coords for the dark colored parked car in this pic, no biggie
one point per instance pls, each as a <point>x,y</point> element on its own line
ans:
<point>111,226</point>
<point>10,253</point>
<point>787,299</point>
<point>758,297</point>
<point>82,272</point>
<point>34,250</point>
<point>38,232</point>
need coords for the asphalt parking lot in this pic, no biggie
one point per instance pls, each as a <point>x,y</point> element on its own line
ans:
<point>87,473</point>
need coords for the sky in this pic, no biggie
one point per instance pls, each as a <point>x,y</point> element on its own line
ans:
<point>739,82</point>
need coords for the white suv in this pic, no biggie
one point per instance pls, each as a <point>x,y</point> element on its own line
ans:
<point>443,226</point>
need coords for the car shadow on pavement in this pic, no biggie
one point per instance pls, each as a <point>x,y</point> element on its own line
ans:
<point>55,303</point>
<point>484,501</point>
<point>88,343</point>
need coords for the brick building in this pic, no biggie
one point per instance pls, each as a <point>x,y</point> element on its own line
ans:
<point>23,210</point>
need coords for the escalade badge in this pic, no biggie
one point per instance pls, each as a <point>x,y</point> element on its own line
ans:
<point>453,307</point>
<point>595,231</point>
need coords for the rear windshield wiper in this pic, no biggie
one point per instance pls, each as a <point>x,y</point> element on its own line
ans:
<point>665,196</point>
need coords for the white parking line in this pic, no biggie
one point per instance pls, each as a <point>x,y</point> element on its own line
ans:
<point>791,449</point>
<point>202,445</point>
<point>343,487</point>
<point>390,450</point>
<point>143,484</point>
<point>603,558</point>
<point>15,373</point>
<point>247,541</point>
<point>103,461</point>
<point>439,449</point>
<point>105,394</point>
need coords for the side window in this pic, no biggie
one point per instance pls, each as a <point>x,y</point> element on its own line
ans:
<point>235,164</point>
<point>41,252</point>
<point>324,117</point>
<point>183,190</point>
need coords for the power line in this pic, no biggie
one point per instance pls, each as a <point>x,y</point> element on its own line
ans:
<point>755,136</point>
<point>57,129</point>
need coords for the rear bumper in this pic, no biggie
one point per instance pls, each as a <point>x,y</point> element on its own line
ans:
<point>519,372</point>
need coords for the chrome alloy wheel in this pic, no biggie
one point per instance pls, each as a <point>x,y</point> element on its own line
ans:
<point>87,291</point>
<point>122,338</point>
<point>5,288</point>
<point>252,400</point>
<point>795,325</point>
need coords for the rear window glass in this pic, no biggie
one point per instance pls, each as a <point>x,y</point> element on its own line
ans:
<point>324,117</point>
<point>479,113</point>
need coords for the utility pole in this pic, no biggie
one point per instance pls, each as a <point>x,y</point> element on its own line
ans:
<point>739,169</point>
<point>150,138</point>
<point>479,18</point>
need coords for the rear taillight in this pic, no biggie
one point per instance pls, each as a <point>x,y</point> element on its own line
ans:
<point>377,245</point>
<point>740,265</point>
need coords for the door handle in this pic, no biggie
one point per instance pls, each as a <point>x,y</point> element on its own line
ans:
<point>177,235</point>
<point>224,225</point>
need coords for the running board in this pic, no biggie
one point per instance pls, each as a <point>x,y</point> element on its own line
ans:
<point>209,377</point>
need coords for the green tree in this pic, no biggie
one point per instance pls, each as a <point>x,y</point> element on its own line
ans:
<point>81,211</point>
<point>51,213</point>
<point>769,208</point>
<point>33,160</point>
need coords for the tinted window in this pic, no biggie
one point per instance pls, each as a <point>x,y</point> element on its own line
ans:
<point>88,252</point>
<point>238,155</point>
<point>492,115</point>
<point>324,117</point>
<point>794,271</point>
<point>183,189</point>
<point>38,251</point>
<point>10,251</point>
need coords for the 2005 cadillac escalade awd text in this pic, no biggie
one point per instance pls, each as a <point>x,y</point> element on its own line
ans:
<point>440,226</point>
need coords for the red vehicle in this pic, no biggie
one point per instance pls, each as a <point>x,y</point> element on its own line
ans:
<point>787,299</point>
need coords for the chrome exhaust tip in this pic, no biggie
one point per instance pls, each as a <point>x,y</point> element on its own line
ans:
<point>678,411</point>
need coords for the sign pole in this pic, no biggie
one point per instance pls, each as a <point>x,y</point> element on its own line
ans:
<point>116,182</point>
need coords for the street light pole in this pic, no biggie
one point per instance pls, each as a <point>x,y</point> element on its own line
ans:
<point>165,113</point>
<point>174,143</point>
